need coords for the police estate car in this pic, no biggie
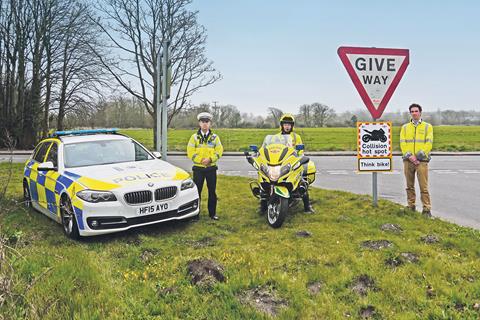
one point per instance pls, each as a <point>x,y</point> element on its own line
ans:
<point>98,181</point>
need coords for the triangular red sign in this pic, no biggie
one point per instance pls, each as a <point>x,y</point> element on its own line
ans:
<point>375,72</point>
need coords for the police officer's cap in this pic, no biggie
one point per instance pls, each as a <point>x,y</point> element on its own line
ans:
<point>204,116</point>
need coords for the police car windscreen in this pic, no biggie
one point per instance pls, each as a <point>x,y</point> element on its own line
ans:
<point>94,153</point>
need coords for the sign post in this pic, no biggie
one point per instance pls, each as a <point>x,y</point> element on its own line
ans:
<point>376,73</point>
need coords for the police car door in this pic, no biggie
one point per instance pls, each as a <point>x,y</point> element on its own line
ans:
<point>51,195</point>
<point>37,178</point>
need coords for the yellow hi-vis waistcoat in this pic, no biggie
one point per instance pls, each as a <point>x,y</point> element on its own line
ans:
<point>199,148</point>
<point>416,140</point>
<point>296,140</point>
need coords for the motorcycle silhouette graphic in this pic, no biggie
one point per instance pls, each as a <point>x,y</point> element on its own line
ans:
<point>375,135</point>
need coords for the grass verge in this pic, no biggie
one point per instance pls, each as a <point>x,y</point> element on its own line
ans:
<point>447,138</point>
<point>142,274</point>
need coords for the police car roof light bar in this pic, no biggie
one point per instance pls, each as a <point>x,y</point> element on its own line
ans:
<point>84,132</point>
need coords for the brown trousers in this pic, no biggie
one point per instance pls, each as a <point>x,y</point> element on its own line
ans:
<point>422,175</point>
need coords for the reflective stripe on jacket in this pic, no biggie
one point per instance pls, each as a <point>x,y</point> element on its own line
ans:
<point>199,148</point>
<point>416,140</point>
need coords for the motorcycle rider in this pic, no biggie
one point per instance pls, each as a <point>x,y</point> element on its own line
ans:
<point>287,122</point>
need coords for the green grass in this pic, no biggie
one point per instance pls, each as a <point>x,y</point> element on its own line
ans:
<point>107,278</point>
<point>446,138</point>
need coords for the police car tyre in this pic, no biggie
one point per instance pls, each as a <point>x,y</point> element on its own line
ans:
<point>69,222</point>
<point>27,199</point>
<point>277,212</point>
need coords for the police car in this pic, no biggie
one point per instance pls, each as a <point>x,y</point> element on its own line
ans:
<point>98,181</point>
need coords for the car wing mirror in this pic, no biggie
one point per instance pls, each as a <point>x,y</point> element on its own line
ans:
<point>254,148</point>
<point>157,154</point>
<point>46,166</point>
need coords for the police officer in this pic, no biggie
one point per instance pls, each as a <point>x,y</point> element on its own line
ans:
<point>204,149</point>
<point>416,139</point>
<point>287,122</point>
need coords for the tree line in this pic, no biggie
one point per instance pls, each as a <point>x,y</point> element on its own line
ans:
<point>129,113</point>
<point>62,61</point>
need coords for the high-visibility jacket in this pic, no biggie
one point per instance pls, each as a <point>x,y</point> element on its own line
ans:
<point>295,138</point>
<point>416,140</point>
<point>200,147</point>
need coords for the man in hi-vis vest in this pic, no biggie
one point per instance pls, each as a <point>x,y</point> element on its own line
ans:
<point>416,139</point>
<point>204,149</point>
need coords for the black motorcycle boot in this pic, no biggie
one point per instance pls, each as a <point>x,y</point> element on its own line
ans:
<point>307,207</point>
<point>263,206</point>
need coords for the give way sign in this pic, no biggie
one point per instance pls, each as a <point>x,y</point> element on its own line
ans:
<point>375,72</point>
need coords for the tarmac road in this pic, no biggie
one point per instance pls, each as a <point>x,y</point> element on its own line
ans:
<point>454,182</point>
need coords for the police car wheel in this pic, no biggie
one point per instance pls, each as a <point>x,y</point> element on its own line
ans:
<point>27,199</point>
<point>69,222</point>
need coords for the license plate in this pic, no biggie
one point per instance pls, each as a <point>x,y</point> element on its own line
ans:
<point>152,209</point>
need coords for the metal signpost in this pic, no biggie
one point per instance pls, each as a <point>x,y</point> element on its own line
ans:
<point>164,74</point>
<point>376,73</point>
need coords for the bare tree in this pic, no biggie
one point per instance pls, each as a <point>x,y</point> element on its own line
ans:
<point>276,114</point>
<point>135,30</point>
<point>305,114</point>
<point>321,113</point>
<point>81,77</point>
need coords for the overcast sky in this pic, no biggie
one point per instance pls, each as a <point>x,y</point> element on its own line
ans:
<point>284,53</point>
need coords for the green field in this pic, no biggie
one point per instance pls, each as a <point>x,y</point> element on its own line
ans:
<point>142,274</point>
<point>446,138</point>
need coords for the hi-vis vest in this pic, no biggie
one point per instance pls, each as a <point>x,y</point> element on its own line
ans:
<point>199,148</point>
<point>416,140</point>
<point>296,140</point>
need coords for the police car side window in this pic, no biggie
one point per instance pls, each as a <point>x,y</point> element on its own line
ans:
<point>40,155</point>
<point>53,155</point>
<point>140,153</point>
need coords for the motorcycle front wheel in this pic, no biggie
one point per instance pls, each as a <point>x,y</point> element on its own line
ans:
<point>277,212</point>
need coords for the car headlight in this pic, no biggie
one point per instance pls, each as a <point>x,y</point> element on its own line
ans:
<point>187,184</point>
<point>96,196</point>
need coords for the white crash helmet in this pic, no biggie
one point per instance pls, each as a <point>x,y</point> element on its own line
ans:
<point>205,116</point>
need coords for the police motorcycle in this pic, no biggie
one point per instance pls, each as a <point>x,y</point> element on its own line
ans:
<point>283,176</point>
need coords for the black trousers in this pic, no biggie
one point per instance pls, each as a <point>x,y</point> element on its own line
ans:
<point>209,174</point>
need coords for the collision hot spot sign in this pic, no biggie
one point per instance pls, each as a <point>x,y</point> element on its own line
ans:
<point>375,72</point>
<point>374,146</point>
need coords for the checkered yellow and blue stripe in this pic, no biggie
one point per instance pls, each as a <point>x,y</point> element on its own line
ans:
<point>46,188</point>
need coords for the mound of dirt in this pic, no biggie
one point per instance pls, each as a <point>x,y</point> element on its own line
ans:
<point>263,299</point>
<point>205,272</point>
<point>377,244</point>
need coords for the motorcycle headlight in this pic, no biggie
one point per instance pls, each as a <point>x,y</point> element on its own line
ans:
<point>187,184</point>
<point>285,169</point>
<point>274,173</point>
<point>96,196</point>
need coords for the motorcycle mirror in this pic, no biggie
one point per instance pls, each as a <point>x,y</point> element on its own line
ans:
<point>254,148</point>
<point>304,160</point>
<point>300,147</point>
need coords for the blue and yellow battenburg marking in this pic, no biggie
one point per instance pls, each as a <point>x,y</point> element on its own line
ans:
<point>46,188</point>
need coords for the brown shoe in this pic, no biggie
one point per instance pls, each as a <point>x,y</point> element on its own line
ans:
<point>427,213</point>
<point>411,208</point>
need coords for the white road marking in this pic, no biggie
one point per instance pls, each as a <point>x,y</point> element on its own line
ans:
<point>343,172</point>
<point>470,171</point>
<point>446,171</point>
